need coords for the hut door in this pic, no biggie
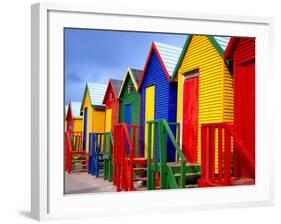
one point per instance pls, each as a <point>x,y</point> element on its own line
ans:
<point>108,114</point>
<point>190,118</point>
<point>85,128</point>
<point>149,112</point>
<point>244,88</point>
<point>128,114</point>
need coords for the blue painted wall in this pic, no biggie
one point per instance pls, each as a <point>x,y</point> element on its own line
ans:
<point>165,97</point>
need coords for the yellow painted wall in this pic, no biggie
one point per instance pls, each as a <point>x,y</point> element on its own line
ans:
<point>149,112</point>
<point>98,120</point>
<point>108,117</point>
<point>95,119</point>
<point>77,124</point>
<point>215,84</point>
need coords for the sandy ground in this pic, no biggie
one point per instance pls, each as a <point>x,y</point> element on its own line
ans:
<point>78,183</point>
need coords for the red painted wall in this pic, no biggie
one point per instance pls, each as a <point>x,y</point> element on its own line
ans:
<point>113,103</point>
<point>244,97</point>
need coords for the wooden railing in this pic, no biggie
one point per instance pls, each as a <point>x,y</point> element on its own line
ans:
<point>107,156</point>
<point>161,133</point>
<point>221,150</point>
<point>73,147</point>
<point>126,147</point>
<point>76,139</point>
<point>95,144</point>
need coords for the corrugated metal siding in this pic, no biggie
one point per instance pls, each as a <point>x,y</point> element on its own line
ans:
<point>155,76</point>
<point>96,92</point>
<point>222,41</point>
<point>245,50</point>
<point>203,56</point>
<point>228,102</point>
<point>169,55</point>
<point>133,99</point>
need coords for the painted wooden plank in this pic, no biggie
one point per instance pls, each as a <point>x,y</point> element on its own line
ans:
<point>149,112</point>
<point>108,116</point>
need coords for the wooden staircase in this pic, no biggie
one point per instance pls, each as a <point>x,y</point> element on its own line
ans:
<point>192,174</point>
<point>79,162</point>
<point>172,175</point>
<point>130,167</point>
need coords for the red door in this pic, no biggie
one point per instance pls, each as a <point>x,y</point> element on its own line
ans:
<point>190,119</point>
<point>244,90</point>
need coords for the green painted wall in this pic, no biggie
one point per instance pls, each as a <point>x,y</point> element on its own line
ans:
<point>132,98</point>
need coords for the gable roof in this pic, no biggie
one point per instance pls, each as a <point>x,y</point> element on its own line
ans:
<point>115,85</point>
<point>168,56</point>
<point>135,75</point>
<point>96,92</point>
<point>230,47</point>
<point>218,42</point>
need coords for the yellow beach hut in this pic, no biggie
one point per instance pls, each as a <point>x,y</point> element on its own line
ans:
<point>205,90</point>
<point>93,111</point>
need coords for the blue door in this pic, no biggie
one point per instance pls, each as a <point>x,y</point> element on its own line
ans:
<point>85,128</point>
<point>128,114</point>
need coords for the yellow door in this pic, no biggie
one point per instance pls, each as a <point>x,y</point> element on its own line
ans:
<point>149,112</point>
<point>108,114</point>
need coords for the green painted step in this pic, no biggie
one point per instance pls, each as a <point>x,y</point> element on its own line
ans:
<point>190,167</point>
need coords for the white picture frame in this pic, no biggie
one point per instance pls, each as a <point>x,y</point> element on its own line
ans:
<point>48,201</point>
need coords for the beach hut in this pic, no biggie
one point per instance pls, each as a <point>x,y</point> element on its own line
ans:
<point>129,98</point>
<point>205,90</point>
<point>158,92</point>
<point>93,111</point>
<point>111,103</point>
<point>241,54</point>
<point>74,121</point>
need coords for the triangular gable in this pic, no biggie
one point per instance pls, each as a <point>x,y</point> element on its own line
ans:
<point>129,73</point>
<point>113,85</point>
<point>96,93</point>
<point>167,55</point>
<point>186,45</point>
<point>69,112</point>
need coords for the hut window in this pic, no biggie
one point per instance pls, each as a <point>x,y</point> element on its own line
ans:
<point>130,88</point>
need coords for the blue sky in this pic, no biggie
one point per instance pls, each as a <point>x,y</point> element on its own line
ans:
<point>96,56</point>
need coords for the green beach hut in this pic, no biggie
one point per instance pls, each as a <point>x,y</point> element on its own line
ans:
<point>129,98</point>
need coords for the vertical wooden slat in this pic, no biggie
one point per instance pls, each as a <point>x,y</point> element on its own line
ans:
<point>208,154</point>
<point>227,152</point>
<point>220,154</point>
<point>203,153</point>
<point>212,153</point>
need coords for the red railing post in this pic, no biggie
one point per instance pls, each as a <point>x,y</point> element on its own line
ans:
<point>208,157</point>
<point>220,159</point>
<point>212,153</point>
<point>227,157</point>
<point>203,154</point>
